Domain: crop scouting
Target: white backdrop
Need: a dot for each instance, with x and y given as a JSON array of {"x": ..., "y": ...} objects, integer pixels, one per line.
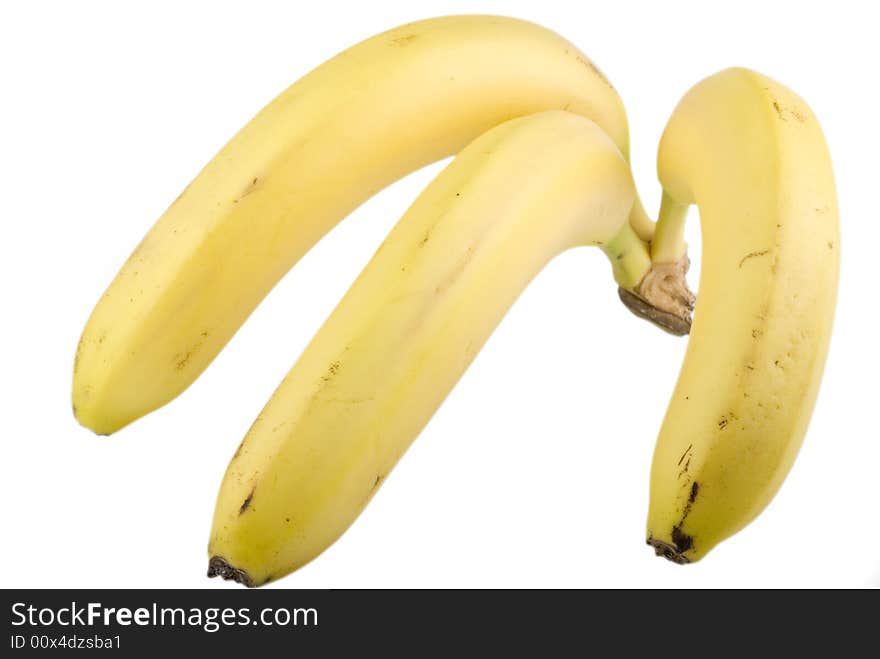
[{"x": 535, "y": 470}]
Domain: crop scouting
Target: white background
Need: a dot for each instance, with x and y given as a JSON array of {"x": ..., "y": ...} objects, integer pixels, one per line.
[{"x": 535, "y": 470}]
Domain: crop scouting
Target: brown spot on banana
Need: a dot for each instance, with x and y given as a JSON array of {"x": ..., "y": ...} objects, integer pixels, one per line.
[
  {"x": 247, "y": 502},
  {"x": 332, "y": 370},
  {"x": 752, "y": 255},
  {"x": 784, "y": 111},
  {"x": 248, "y": 189}
]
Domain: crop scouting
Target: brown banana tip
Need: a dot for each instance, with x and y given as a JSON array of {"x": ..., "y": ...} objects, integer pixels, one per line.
[
  {"x": 665, "y": 320},
  {"x": 220, "y": 567},
  {"x": 667, "y": 551}
]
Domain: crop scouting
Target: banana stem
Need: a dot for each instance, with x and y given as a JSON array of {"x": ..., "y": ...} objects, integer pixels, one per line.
[
  {"x": 652, "y": 275},
  {"x": 629, "y": 255},
  {"x": 668, "y": 245}
]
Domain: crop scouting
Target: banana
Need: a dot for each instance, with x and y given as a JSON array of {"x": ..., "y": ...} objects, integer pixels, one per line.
[
  {"x": 409, "y": 327},
  {"x": 365, "y": 118},
  {"x": 751, "y": 155}
]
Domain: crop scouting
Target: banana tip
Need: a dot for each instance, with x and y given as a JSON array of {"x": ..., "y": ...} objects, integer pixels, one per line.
[
  {"x": 220, "y": 567},
  {"x": 669, "y": 552}
]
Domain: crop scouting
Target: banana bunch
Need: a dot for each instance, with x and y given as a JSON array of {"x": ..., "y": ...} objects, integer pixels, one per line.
[{"x": 542, "y": 145}]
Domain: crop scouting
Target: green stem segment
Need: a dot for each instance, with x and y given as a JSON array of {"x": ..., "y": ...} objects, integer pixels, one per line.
[
  {"x": 668, "y": 245},
  {"x": 629, "y": 255}
]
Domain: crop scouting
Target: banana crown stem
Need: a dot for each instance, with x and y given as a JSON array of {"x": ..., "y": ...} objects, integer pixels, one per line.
[
  {"x": 663, "y": 297},
  {"x": 657, "y": 290}
]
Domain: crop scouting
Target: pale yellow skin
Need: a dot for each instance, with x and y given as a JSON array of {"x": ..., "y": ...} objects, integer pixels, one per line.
[
  {"x": 409, "y": 327},
  {"x": 367, "y": 117},
  {"x": 751, "y": 155}
]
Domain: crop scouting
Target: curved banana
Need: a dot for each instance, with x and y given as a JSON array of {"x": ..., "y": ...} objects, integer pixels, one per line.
[
  {"x": 409, "y": 327},
  {"x": 370, "y": 115},
  {"x": 751, "y": 155}
]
